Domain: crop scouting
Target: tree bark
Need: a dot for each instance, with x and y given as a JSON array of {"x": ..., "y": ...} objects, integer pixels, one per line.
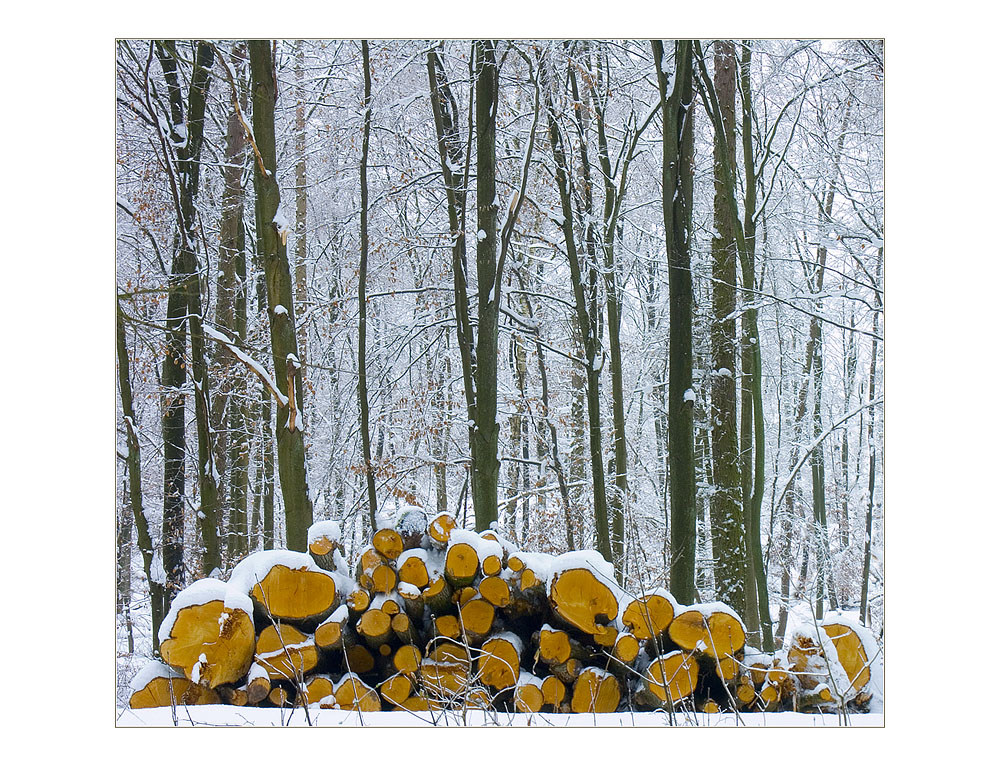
[
  {"x": 869, "y": 514},
  {"x": 366, "y": 445},
  {"x": 232, "y": 445},
  {"x": 677, "y": 184},
  {"x": 134, "y": 467},
  {"x": 588, "y": 333},
  {"x": 271, "y": 243},
  {"x": 728, "y": 528},
  {"x": 486, "y": 433}
]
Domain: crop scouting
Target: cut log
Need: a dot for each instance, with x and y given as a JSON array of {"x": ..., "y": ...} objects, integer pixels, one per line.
[
  {"x": 626, "y": 648},
  {"x": 407, "y": 659},
  {"x": 553, "y": 691},
  {"x": 528, "y": 696},
  {"x": 607, "y": 638},
  {"x": 208, "y": 634},
  {"x": 388, "y": 542},
  {"x": 318, "y": 688},
  {"x": 557, "y": 646},
  {"x": 279, "y": 696},
  {"x": 358, "y": 659},
  {"x": 387, "y": 602},
  {"x": 568, "y": 671},
  {"x": 287, "y": 654},
  {"x": 447, "y": 625},
  {"x": 444, "y": 672},
  {"x": 351, "y": 693},
  {"x": 286, "y": 586},
  {"x": 358, "y": 600},
  {"x": 491, "y": 565},
  {"x": 258, "y": 684},
  {"x": 461, "y": 565},
  {"x": 770, "y": 696},
  {"x": 413, "y": 601},
  {"x": 403, "y": 629},
  {"x": 462, "y": 596},
  {"x": 156, "y": 685},
  {"x": 583, "y": 601},
  {"x": 649, "y": 616},
  {"x": 499, "y": 664},
  {"x": 232, "y": 695},
  {"x": 713, "y": 628},
  {"x": 412, "y": 567},
  {"x": 745, "y": 691},
  {"x": 323, "y": 541},
  {"x": 595, "y": 691},
  {"x": 819, "y": 697},
  {"x": 669, "y": 679},
  {"x": 439, "y": 530},
  {"x": 476, "y": 618},
  {"x": 374, "y": 572},
  {"x": 851, "y": 652},
  {"x": 332, "y": 633},
  {"x": 437, "y": 596},
  {"x": 375, "y": 627},
  {"x": 495, "y": 590},
  {"x": 396, "y": 689}
]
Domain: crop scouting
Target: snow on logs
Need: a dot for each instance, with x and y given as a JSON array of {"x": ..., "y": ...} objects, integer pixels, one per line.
[{"x": 432, "y": 616}]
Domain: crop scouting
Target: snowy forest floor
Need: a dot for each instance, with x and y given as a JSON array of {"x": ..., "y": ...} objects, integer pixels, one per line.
[{"x": 227, "y": 715}]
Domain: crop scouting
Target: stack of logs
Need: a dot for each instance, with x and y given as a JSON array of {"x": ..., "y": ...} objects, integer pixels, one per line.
[{"x": 436, "y": 617}]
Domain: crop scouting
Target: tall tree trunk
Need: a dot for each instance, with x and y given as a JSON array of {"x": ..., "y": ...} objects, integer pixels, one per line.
[
  {"x": 746, "y": 244},
  {"x": 485, "y": 435},
  {"x": 183, "y": 310},
  {"x": 301, "y": 238},
  {"x": 822, "y": 543},
  {"x": 272, "y": 230},
  {"x": 124, "y": 568},
  {"x": 362, "y": 297},
  {"x": 869, "y": 514},
  {"x": 613, "y": 198},
  {"x": 445, "y": 110},
  {"x": 728, "y": 527},
  {"x": 678, "y": 151},
  {"x": 154, "y": 578},
  {"x": 588, "y": 333}
]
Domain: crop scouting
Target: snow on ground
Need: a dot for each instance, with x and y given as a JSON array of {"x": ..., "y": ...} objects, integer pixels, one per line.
[{"x": 227, "y": 715}]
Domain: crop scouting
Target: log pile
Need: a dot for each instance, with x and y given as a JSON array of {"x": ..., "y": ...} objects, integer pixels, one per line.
[{"x": 436, "y": 617}]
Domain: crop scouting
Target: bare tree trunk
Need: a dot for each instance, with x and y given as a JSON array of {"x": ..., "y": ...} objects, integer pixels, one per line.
[
  {"x": 869, "y": 514},
  {"x": 154, "y": 579},
  {"x": 362, "y": 298},
  {"x": 588, "y": 332},
  {"x": 301, "y": 237},
  {"x": 678, "y": 151}
]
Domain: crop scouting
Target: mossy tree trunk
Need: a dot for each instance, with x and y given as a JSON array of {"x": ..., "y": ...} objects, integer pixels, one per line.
[
  {"x": 728, "y": 529},
  {"x": 271, "y": 245}
]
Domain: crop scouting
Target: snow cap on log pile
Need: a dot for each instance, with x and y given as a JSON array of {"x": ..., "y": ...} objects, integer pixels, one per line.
[
  {"x": 254, "y": 575},
  {"x": 202, "y": 592}
]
